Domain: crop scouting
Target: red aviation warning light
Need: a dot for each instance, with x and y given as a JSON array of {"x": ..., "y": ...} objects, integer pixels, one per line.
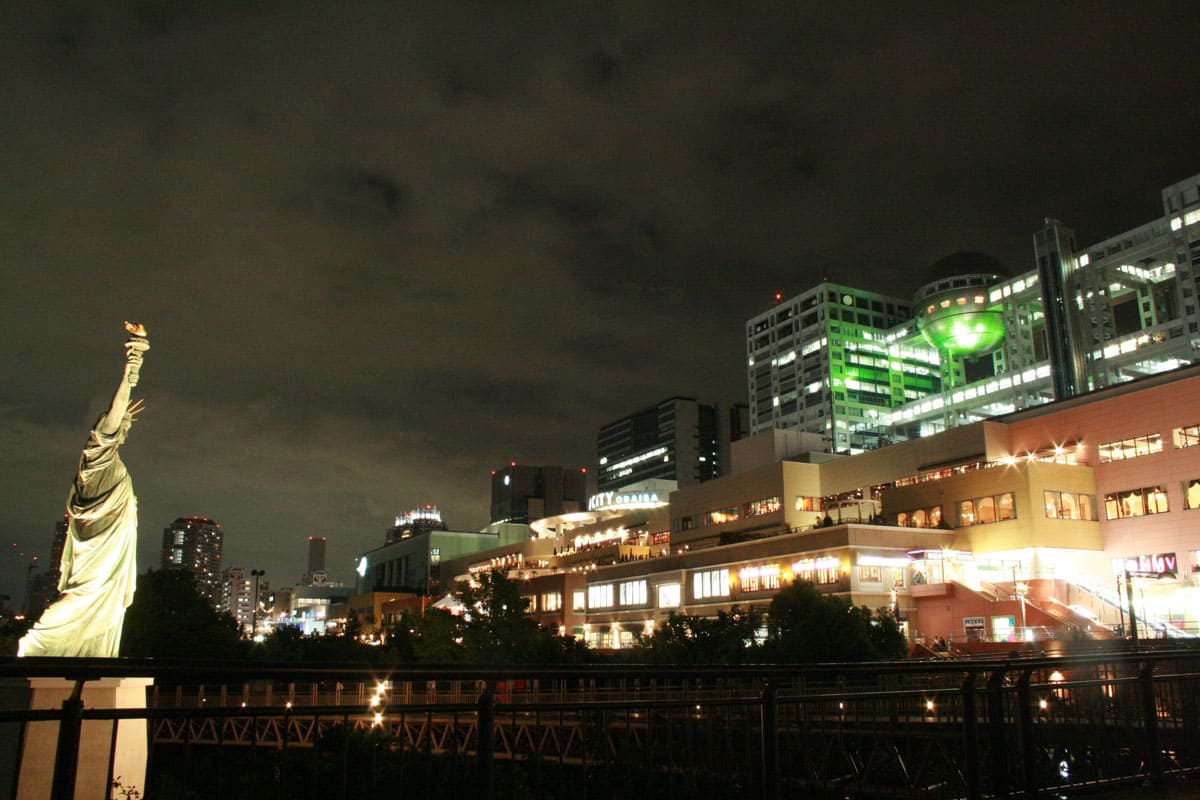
[{"x": 778, "y": 298}]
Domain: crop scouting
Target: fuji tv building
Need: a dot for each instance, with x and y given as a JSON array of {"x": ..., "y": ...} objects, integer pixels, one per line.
[
  {"x": 864, "y": 369},
  {"x": 1001, "y": 458}
]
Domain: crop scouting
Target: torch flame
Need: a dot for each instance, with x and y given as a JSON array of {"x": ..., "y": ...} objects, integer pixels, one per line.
[{"x": 136, "y": 329}]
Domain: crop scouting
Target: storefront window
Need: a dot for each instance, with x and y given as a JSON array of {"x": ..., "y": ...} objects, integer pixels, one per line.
[
  {"x": 1191, "y": 493},
  {"x": 1005, "y": 508},
  {"x": 985, "y": 510},
  {"x": 1069, "y": 505},
  {"x": 1136, "y": 502}
]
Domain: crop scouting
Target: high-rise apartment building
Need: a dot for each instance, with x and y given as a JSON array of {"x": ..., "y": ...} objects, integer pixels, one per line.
[
  {"x": 523, "y": 493},
  {"x": 863, "y": 369},
  {"x": 678, "y": 439},
  {"x": 237, "y": 596},
  {"x": 194, "y": 544}
]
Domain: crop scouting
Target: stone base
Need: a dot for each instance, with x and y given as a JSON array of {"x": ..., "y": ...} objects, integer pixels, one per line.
[{"x": 108, "y": 750}]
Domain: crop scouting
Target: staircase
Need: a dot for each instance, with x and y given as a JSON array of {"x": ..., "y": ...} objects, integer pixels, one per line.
[{"x": 1112, "y": 606}]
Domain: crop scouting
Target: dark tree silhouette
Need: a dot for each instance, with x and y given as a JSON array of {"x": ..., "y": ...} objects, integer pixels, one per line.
[
  {"x": 170, "y": 619},
  {"x": 805, "y": 626},
  {"x": 729, "y": 638}
]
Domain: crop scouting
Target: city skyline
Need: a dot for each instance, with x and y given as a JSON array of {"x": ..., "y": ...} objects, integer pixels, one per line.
[{"x": 436, "y": 241}]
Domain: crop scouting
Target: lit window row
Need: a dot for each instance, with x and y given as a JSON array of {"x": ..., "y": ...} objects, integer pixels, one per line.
[
  {"x": 1015, "y": 288},
  {"x": 1130, "y": 448},
  {"x": 808, "y": 503},
  {"x": 1069, "y": 505},
  {"x": 760, "y": 579},
  {"x": 920, "y": 518},
  {"x": 629, "y": 462},
  {"x": 713, "y": 583},
  {"x": 985, "y": 510},
  {"x": 824, "y": 570},
  {"x": 719, "y": 516},
  {"x": 1190, "y": 218},
  {"x": 634, "y": 593},
  {"x": 1135, "y": 502},
  {"x": 600, "y": 595}
]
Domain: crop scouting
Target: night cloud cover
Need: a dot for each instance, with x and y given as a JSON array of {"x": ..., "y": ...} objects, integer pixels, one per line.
[{"x": 385, "y": 248}]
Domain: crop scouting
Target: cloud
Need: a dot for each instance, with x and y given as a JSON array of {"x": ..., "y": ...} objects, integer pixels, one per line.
[{"x": 383, "y": 249}]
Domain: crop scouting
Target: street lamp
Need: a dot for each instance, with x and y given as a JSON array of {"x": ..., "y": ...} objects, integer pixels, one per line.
[{"x": 257, "y": 573}]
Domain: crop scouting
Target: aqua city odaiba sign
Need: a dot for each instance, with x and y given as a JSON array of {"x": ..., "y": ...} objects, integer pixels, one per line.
[{"x": 603, "y": 501}]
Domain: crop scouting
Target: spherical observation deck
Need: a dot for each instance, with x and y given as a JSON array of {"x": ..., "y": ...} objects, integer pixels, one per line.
[{"x": 953, "y": 312}]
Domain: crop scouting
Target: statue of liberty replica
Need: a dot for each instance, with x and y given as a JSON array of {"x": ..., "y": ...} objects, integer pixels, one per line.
[{"x": 99, "y": 565}]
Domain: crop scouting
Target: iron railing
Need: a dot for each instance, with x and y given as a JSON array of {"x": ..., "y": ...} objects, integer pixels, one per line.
[{"x": 947, "y": 728}]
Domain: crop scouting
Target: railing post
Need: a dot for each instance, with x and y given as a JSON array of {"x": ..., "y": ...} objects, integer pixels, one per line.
[
  {"x": 997, "y": 747},
  {"x": 769, "y": 710},
  {"x": 66, "y": 755},
  {"x": 485, "y": 733},
  {"x": 1150, "y": 722},
  {"x": 1028, "y": 744},
  {"x": 970, "y": 734}
]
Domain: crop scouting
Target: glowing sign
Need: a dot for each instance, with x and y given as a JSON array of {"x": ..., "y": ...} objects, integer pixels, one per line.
[
  {"x": 1157, "y": 565},
  {"x": 361, "y": 569},
  {"x": 609, "y": 500}
]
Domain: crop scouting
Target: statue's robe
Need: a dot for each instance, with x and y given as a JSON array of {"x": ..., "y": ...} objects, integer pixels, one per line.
[{"x": 99, "y": 568}]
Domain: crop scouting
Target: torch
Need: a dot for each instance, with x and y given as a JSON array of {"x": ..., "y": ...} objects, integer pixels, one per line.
[{"x": 137, "y": 343}]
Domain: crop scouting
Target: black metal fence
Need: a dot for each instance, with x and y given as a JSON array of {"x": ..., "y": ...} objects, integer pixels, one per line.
[{"x": 914, "y": 729}]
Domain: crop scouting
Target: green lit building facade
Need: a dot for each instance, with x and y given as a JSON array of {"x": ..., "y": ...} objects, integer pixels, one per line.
[{"x": 863, "y": 369}]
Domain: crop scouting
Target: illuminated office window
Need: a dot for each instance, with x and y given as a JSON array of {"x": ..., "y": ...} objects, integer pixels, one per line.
[
  {"x": 1135, "y": 502},
  {"x": 985, "y": 510},
  {"x": 1069, "y": 505},
  {"x": 633, "y": 593},
  {"x": 1191, "y": 494},
  {"x": 713, "y": 583},
  {"x": 600, "y": 595},
  {"x": 1187, "y": 437},
  {"x": 1130, "y": 448}
]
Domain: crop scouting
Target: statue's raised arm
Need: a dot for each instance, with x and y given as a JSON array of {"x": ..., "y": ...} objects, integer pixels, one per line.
[
  {"x": 99, "y": 565},
  {"x": 135, "y": 347}
]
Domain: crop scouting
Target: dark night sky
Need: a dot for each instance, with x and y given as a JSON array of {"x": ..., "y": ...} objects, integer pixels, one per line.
[{"x": 384, "y": 248}]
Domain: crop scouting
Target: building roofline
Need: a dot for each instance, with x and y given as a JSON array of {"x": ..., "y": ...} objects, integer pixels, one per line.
[{"x": 1098, "y": 395}]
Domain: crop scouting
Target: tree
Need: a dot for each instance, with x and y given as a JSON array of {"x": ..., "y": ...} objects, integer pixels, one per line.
[
  {"x": 497, "y": 629},
  {"x": 170, "y": 619},
  {"x": 284, "y": 643},
  {"x": 728, "y": 638},
  {"x": 434, "y": 637},
  {"x": 805, "y": 626}
]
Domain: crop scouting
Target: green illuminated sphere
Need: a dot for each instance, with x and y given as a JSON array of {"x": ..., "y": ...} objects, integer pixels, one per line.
[
  {"x": 953, "y": 311},
  {"x": 962, "y": 330}
]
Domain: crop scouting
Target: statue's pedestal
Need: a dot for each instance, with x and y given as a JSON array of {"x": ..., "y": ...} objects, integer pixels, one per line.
[{"x": 108, "y": 749}]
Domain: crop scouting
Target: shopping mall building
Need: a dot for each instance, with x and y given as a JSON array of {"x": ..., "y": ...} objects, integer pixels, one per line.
[
  {"x": 1000, "y": 457},
  {"x": 1021, "y": 527}
]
